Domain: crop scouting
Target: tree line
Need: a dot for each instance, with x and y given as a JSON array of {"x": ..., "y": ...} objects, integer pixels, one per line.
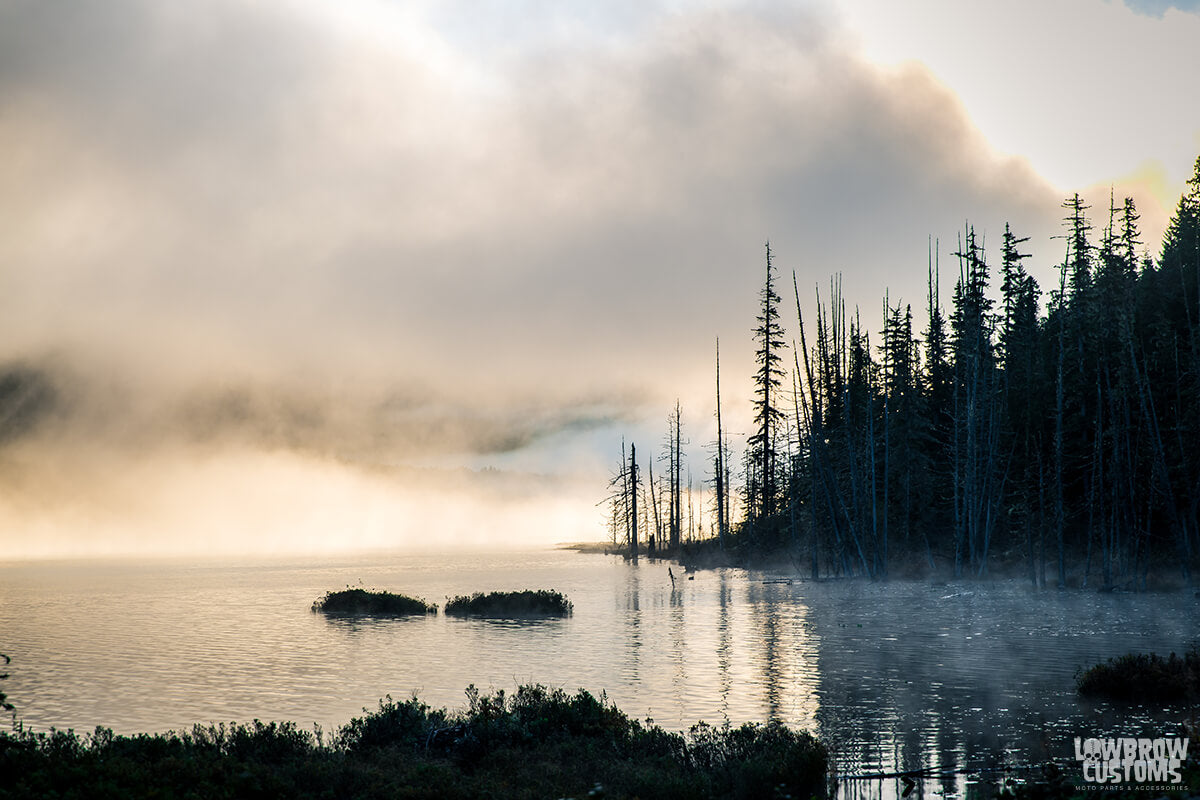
[{"x": 1053, "y": 430}]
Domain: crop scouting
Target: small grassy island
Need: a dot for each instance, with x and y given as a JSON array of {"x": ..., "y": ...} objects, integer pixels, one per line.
[
  {"x": 535, "y": 743},
  {"x": 542, "y": 603},
  {"x": 1141, "y": 677},
  {"x": 371, "y": 603}
]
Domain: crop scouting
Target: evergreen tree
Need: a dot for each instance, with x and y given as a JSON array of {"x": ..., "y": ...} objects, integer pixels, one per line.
[
  {"x": 1172, "y": 369},
  {"x": 902, "y": 420},
  {"x": 936, "y": 408},
  {"x": 762, "y": 455},
  {"x": 1079, "y": 280},
  {"x": 1181, "y": 241},
  {"x": 1023, "y": 400},
  {"x": 978, "y": 468}
]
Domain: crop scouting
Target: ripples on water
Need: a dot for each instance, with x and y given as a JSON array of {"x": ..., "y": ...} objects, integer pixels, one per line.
[{"x": 894, "y": 676}]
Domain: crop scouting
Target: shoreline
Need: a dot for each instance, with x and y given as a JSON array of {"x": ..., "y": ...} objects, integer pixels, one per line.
[{"x": 706, "y": 554}]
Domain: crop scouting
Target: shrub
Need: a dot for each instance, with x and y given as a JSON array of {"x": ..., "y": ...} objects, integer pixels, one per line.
[
  {"x": 542, "y": 603},
  {"x": 408, "y": 724},
  {"x": 371, "y": 603},
  {"x": 1140, "y": 677},
  {"x": 534, "y": 743}
]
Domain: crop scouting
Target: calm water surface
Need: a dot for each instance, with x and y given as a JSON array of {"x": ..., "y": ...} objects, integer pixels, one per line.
[{"x": 893, "y": 676}]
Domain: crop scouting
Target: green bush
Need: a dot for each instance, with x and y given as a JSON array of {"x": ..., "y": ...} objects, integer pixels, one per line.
[
  {"x": 409, "y": 724},
  {"x": 534, "y": 743},
  {"x": 1140, "y": 677},
  {"x": 371, "y": 603},
  {"x": 542, "y": 603}
]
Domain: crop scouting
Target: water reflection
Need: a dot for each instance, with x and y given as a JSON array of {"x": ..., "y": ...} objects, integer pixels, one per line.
[
  {"x": 766, "y": 616},
  {"x": 357, "y": 625},
  {"x": 972, "y": 684},
  {"x": 632, "y": 608},
  {"x": 724, "y": 642},
  {"x": 787, "y": 651},
  {"x": 894, "y": 677},
  {"x": 676, "y": 618}
]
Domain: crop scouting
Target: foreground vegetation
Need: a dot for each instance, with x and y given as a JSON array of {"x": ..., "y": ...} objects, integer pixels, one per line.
[
  {"x": 536, "y": 743},
  {"x": 375, "y": 603},
  {"x": 542, "y": 603},
  {"x": 1140, "y": 677}
]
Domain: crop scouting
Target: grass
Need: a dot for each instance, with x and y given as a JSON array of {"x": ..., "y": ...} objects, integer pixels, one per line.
[
  {"x": 542, "y": 603},
  {"x": 373, "y": 603},
  {"x": 535, "y": 743},
  {"x": 1139, "y": 677}
]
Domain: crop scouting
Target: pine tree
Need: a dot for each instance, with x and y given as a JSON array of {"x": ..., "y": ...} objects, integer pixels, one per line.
[
  {"x": 978, "y": 468},
  {"x": 762, "y": 455},
  {"x": 1171, "y": 339},
  {"x": 937, "y": 399},
  {"x": 902, "y": 419},
  {"x": 1079, "y": 280},
  {"x": 1023, "y": 400}
]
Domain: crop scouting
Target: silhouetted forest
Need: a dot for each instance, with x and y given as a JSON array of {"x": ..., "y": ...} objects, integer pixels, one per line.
[{"x": 1053, "y": 430}]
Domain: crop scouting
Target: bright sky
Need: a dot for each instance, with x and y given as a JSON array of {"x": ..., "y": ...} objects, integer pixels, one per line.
[
  {"x": 1090, "y": 91},
  {"x": 377, "y": 234}
]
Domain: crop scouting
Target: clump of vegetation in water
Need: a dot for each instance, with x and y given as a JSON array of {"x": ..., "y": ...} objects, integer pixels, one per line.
[
  {"x": 536, "y": 743},
  {"x": 372, "y": 603},
  {"x": 1144, "y": 677},
  {"x": 541, "y": 603},
  {"x": 4, "y": 704}
]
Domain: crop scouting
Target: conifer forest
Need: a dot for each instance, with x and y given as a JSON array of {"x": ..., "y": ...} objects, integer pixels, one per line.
[{"x": 1008, "y": 427}]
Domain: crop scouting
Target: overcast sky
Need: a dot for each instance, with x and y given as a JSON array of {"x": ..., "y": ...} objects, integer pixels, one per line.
[{"x": 354, "y": 237}]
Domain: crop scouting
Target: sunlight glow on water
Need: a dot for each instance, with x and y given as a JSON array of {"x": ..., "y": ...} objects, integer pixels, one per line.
[{"x": 893, "y": 676}]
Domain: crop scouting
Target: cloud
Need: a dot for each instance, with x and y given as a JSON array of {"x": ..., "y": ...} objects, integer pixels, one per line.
[
  {"x": 1071, "y": 85},
  {"x": 332, "y": 232}
]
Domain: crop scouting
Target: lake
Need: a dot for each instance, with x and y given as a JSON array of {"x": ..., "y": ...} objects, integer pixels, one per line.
[{"x": 893, "y": 676}]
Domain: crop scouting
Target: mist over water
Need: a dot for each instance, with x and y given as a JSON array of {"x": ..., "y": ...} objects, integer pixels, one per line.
[
  {"x": 91, "y": 466},
  {"x": 893, "y": 676},
  {"x": 250, "y": 502}
]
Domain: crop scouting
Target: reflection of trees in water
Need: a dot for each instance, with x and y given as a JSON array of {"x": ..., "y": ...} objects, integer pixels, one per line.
[
  {"x": 783, "y": 652},
  {"x": 724, "y": 641},
  {"x": 915, "y": 677},
  {"x": 766, "y": 617},
  {"x": 895, "y": 677},
  {"x": 679, "y": 644},
  {"x": 633, "y": 622},
  {"x": 911, "y": 691}
]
